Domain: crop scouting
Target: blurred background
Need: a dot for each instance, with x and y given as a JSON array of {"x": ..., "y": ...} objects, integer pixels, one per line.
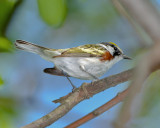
[{"x": 26, "y": 93}]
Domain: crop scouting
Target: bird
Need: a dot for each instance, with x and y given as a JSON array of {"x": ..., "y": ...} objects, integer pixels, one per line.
[{"x": 86, "y": 62}]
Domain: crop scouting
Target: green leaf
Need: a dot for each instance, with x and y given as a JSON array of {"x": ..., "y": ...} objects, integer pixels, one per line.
[
  {"x": 8, "y": 112},
  {"x": 151, "y": 95},
  {"x": 53, "y": 12},
  {"x": 147, "y": 113},
  {"x": 1, "y": 81},
  {"x": 5, "y": 45},
  {"x": 6, "y": 7}
]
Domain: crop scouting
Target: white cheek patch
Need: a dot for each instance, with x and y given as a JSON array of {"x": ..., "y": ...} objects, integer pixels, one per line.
[{"x": 109, "y": 48}]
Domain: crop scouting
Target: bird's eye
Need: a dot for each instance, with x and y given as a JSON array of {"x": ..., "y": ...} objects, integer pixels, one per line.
[{"x": 115, "y": 48}]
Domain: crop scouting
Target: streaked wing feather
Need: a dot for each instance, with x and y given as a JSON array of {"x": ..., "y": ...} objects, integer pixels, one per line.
[{"x": 90, "y": 50}]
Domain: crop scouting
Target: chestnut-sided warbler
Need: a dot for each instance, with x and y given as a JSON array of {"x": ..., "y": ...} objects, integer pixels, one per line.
[{"x": 86, "y": 62}]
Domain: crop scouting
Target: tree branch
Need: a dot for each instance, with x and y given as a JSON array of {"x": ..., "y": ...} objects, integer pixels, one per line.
[
  {"x": 117, "y": 99},
  {"x": 144, "y": 69},
  {"x": 139, "y": 32},
  {"x": 80, "y": 94},
  {"x": 145, "y": 14}
]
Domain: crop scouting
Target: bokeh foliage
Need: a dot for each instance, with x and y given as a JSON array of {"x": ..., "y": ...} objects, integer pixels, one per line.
[
  {"x": 7, "y": 104},
  {"x": 151, "y": 95},
  {"x": 5, "y": 45},
  {"x": 147, "y": 114},
  {"x": 7, "y": 7},
  {"x": 1, "y": 81},
  {"x": 53, "y": 12},
  {"x": 7, "y": 112}
]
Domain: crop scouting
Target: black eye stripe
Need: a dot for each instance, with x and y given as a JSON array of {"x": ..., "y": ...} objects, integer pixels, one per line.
[{"x": 117, "y": 52}]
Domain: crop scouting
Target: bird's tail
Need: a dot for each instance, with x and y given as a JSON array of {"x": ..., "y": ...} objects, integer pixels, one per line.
[
  {"x": 45, "y": 53},
  {"x": 24, "y": 45}
]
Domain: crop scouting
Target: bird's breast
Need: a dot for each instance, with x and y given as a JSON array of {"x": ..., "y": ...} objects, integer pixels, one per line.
[{"x": 71, "y": 65}]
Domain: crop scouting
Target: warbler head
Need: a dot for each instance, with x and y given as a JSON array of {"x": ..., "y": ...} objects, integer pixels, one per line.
[{"x": 114, "y": 50}]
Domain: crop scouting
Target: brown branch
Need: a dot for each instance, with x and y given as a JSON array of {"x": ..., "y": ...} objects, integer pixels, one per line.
[
  {"x": 139, "y": 32},
  {"x": 117, "y": 99},
  {"x": 80, "y": 94},
  {"x": 145, "y": 14},
  {"x": 149, "y": 64}
]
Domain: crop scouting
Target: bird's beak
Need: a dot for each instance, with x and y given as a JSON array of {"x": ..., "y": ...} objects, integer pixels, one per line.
[{"x": 126, "y": 57}]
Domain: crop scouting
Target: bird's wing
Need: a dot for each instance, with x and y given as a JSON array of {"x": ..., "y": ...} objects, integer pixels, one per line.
[{"x": 89, "y": 50}]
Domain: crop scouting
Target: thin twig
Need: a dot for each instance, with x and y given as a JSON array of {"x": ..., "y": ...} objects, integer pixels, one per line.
[{"x": 117, "y": 99}]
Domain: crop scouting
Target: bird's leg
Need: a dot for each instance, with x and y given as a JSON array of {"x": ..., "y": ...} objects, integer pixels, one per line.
[
  {"x": 73, "y": 86},
  {"x": 91, "y": 75}
]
